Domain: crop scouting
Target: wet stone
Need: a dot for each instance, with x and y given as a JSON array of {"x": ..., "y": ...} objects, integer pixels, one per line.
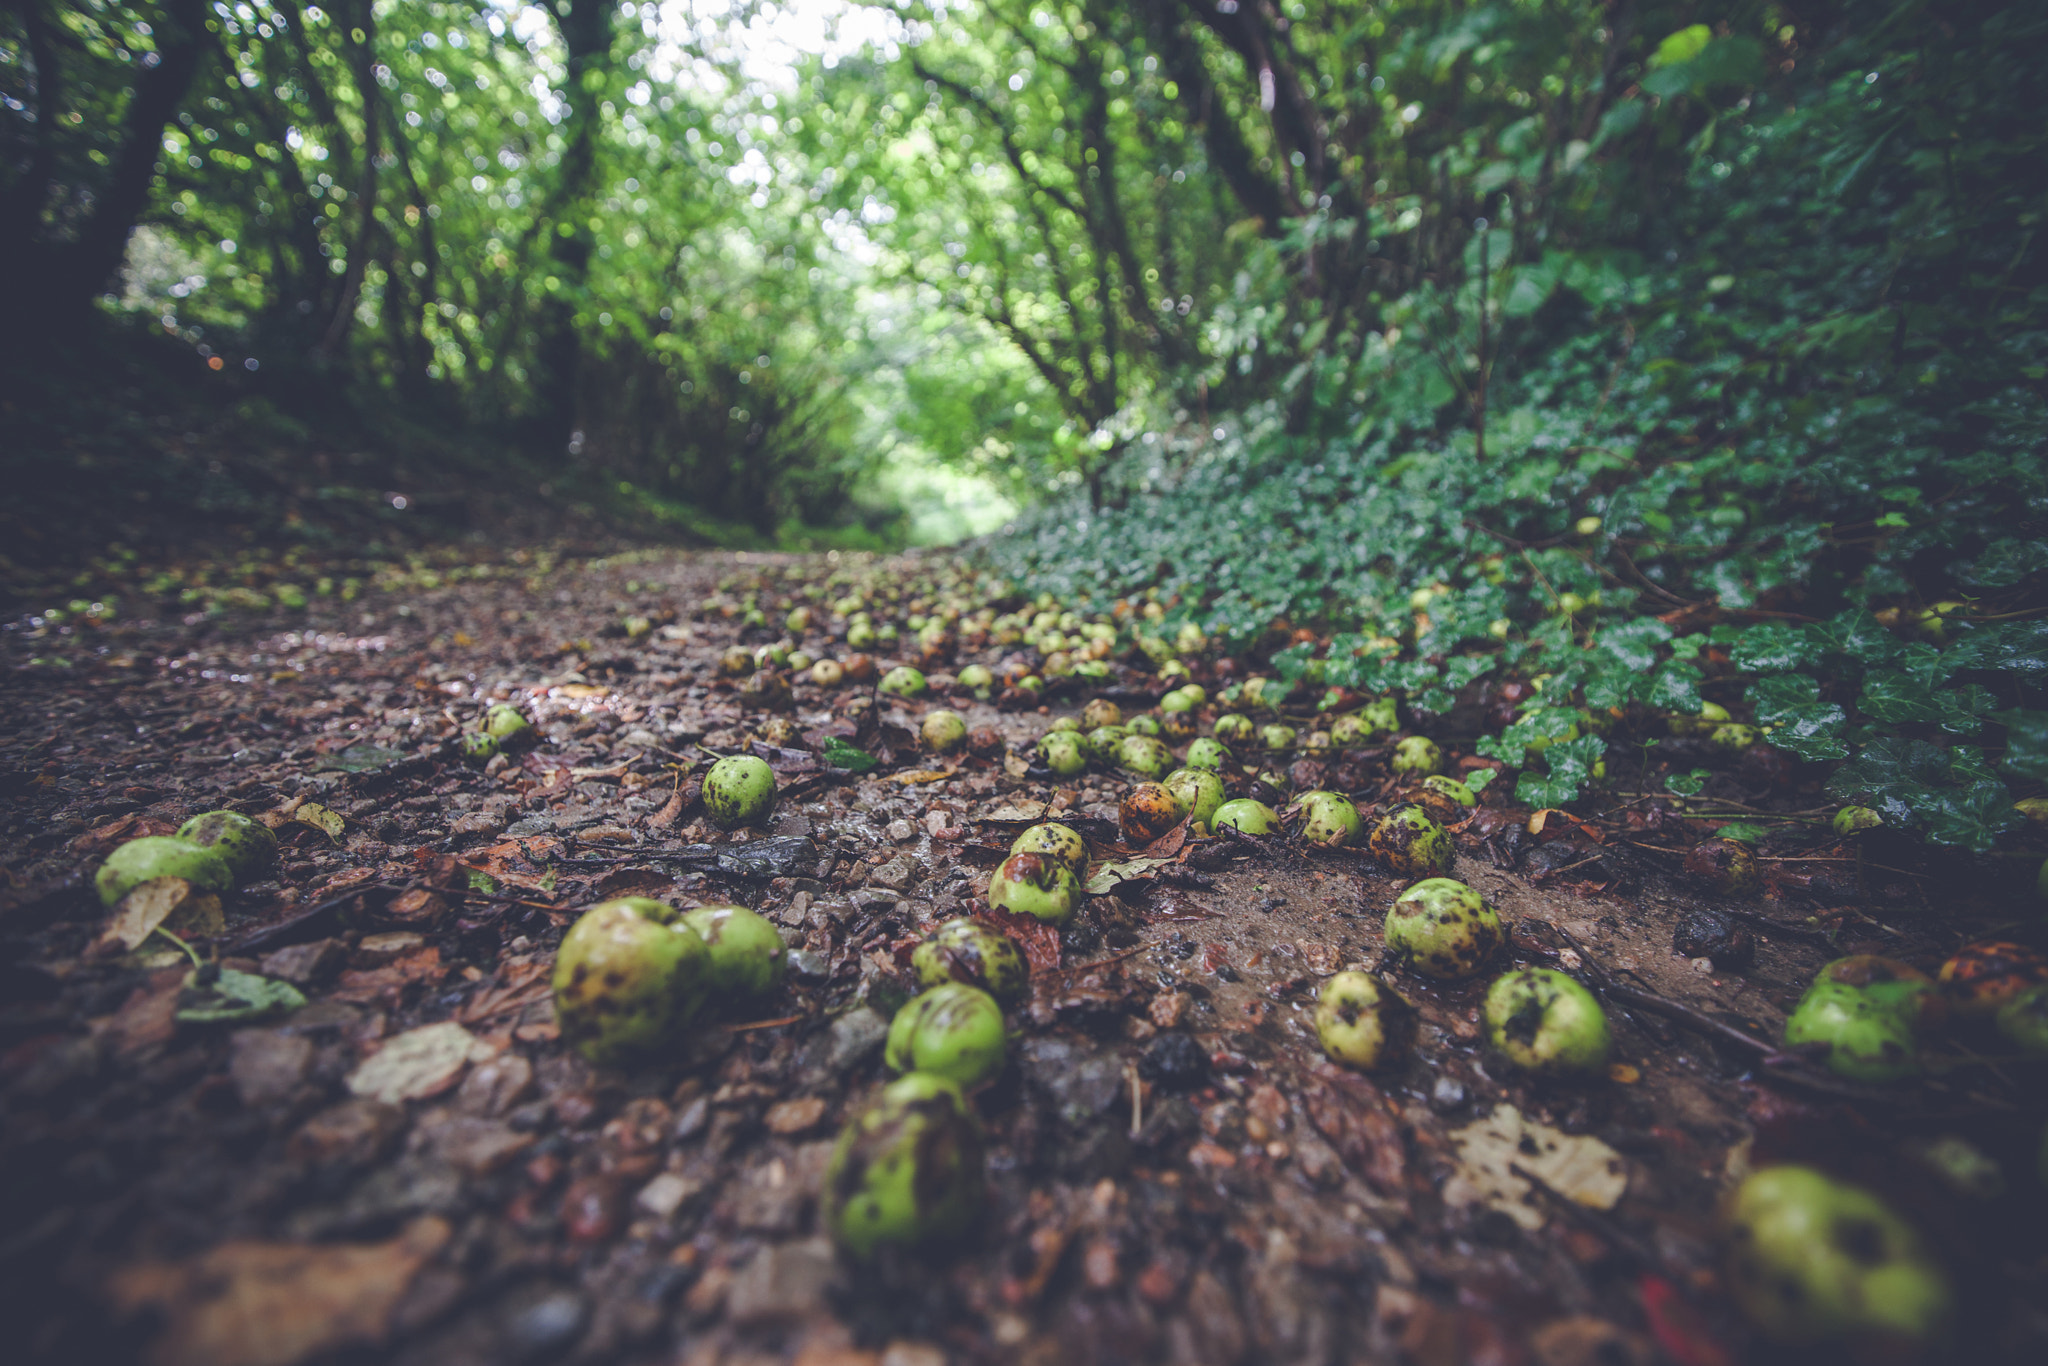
[
  {"x": 545, "y": 1327},
  {"x": 354, "y": 1133},
  {"x": 1706, "y": 933},
  {"x": 1175, "y": 1061},
  {"x": 306, "y": 964},
  {"x": 267, "y": 1066},
  {"x": 856, "y": 1036},
  {"x": 809, "y": 965},
  {"x": 532, "y": 825},
  {"x": 783, "y": 1283},
  {"x": 778, "y": 856},
  {"x": 1081, "y": 1087},
  {"x": 495, "y": 1087},
  {"x": 896, "y": 875}
]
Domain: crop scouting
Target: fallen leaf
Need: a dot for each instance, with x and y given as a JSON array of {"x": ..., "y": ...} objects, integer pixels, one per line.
[
  {"x": 235, "y": 996},
  {"x": 321, "y": 819},
  {"x": 1580, "y": 1168},
  {"x": 839, "y": 754},
  {"x": 167, "y": 902},
  {"x": 1104, "y": 877},
  {"x": 1013, "y": 813},
  {"x": 923, "y": 775},
  {"x": 249, "y": 1303},
  {"x": 1039, "y": 941},
  {"x": 418, "y": 1063},
  {"x": 617, "y": 770},
  {"x": 519, "y": 985},
  {"x": 580, "y": 690},
  {"x": 358, "y": 758}
]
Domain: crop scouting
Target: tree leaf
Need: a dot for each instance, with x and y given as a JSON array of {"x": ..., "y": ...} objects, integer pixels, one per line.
[{"x": 234, "y": 996}]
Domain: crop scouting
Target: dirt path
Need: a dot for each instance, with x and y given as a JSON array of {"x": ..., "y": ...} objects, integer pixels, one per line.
[{"x": 411, "y": 1167}]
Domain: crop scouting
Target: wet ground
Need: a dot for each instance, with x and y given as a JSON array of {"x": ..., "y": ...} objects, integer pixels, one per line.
[{"x": 411, "y": 1167}]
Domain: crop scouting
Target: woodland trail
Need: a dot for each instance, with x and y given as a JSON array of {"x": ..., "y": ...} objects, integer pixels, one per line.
[{"x": 412, "y": 1167}]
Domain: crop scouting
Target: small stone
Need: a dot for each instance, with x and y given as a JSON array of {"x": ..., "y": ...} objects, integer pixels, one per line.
[
  {"x": 896, "y": 875},
  {"x": 545, "y": 1327},
  {"x": 1175, "y": 1061},
  {"x": 795, "y": 1116},
  {"x": 378, "y": 949},
  {"x": 901, "y": 831},
  {"x": 306, "y": 964},
  {"x": 495, "y": 1087},
  {"x": 476, "y": 823},
  {"x": 477, "y": 1147},
  {"x": 532, "y": 825},
  {"x": 1703, "y": 966},
  {"x": 1707, "y": 933},
  {"x": 665, "y": 1194},
  {"x": 811, "y": 966},
  {"x": 1446, "y": 1095},
  {"x": 268, "y": 1066},
  {"x": 1168, "y": 1009},
  {"x": 856, "y": 1036},
  {"x": 782, "y": 1284},
  {"x": 592, "y": 1209},
  {"x": 770, "y": 1199},
  {"x": 354, "y": 1133}
]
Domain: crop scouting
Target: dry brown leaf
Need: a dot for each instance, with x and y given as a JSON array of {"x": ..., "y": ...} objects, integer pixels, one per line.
[
  {"x": 1580, "y": 1167},
  {"x": 250, "y": 1303},
  {"x": 167, "y": 902},
  {"x": 924, "y": 775},
  {"x": 418, "y": 1063}
]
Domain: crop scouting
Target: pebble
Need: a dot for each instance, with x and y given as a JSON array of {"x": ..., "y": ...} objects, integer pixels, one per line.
[
  {"x": 783, "y": 1283},
  {"x": 305, "y": 964},
  {"x": 901, "y": 831},
  {"x": 809, "y": 964},
  {"x": 354, "y": 1133},
  {"x": 856, "y": 1036},
  {"x": 545, "y": 1327},
  {"x": 1446, "y": 1095},
  {"x": 665, "y": 1194},
  {"x": 495, "y": 1087},
  {"x": 1174, "y": 1060},
  {"x": 267, "y": 1065}
]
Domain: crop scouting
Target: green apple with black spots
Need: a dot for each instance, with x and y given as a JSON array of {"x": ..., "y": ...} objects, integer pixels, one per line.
[
  {"x": 1144, "y": 757},
  {"x": 1036, "y": 885},
  {"x": 1208, "y": 755},
  {"x": 1060, "y": 751},
  {"x": 748, "y": 956},
  {"x": 1444, "y": 929},
  {"x": 507, "y": 724},
  {"x": 1062, "y": 843},
  {"x": 1866, "y": 1010},
  {"x": 1544, "y": 1021},
  {"x": 1233, "y": 728},
  {"x": 739, "y": 790},
  {"x": 1149, "y": 812},
  {"x": 902, "y": 681},
  {"x": 1409, "y": 844},
  {"x": 907, "y": 1171},
  {"x": 1813, "y": 1259},
  {"x": 963, "y": 950},
  {"x": 1417, "y": 756},
  {"x": 629, "y": 977},
  {"x": 944, "y": 731},
  {"x": 1248, "y": 814},
  {"x": 1328, "y": 819},
  {"x": 1360, "y": 1021},
  {"x": 1200, "y": 791},
  {"x": 953, "y": 1031},
  {"x": 244, "y": 843},
  {"x": 154, "y": 856}
]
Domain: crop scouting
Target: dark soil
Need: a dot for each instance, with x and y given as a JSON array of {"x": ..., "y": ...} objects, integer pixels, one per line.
[{"x": 1174, "y": 1174}]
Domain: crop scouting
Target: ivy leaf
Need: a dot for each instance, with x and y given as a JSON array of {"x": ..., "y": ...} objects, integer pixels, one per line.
[
  {"x": 1893, "y": 774},
  {"x": 1973, "y": 817},
  {"x": 1571, "y": 768},
  {"x": 2019, "y": 648},
  {"x": 1744, "y": 832},
  {"x": 1773, "y": 647},
  {"x": 1292, "y": 662},
  {"x": 1634, "y": 644},
  {"x": 1898, "y": 698},
  {"x": 1675, "y": 687},
  {"x": 839, "y": 754},
  {"x": 1541, "y": 792},
  {"x": 1777, "y": 695},
  {"x": 1858, "y": 635},
  {"x": 231, "y": 996},
  {"x": 1688, "y": 784},
  {"x": 2026, "y": 744},
  {"x": 1812, "y": 731}
]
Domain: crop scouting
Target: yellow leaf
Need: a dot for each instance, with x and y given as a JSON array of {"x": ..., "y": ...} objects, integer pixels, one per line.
[{"x": 321, "y": 819}]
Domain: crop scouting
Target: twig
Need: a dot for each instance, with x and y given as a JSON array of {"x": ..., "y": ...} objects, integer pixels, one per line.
[{"x": 762, "y": 1024}]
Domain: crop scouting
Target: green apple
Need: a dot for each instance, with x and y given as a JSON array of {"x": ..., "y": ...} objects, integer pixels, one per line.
[
  {"x": 906, "y": 1171},
  {"x": 1543, "y": 1021},
  {"x": 953, "y": 1031},
  {"x": 1444, "y": 929},
  {"x": 1360, "y": 1020}
]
